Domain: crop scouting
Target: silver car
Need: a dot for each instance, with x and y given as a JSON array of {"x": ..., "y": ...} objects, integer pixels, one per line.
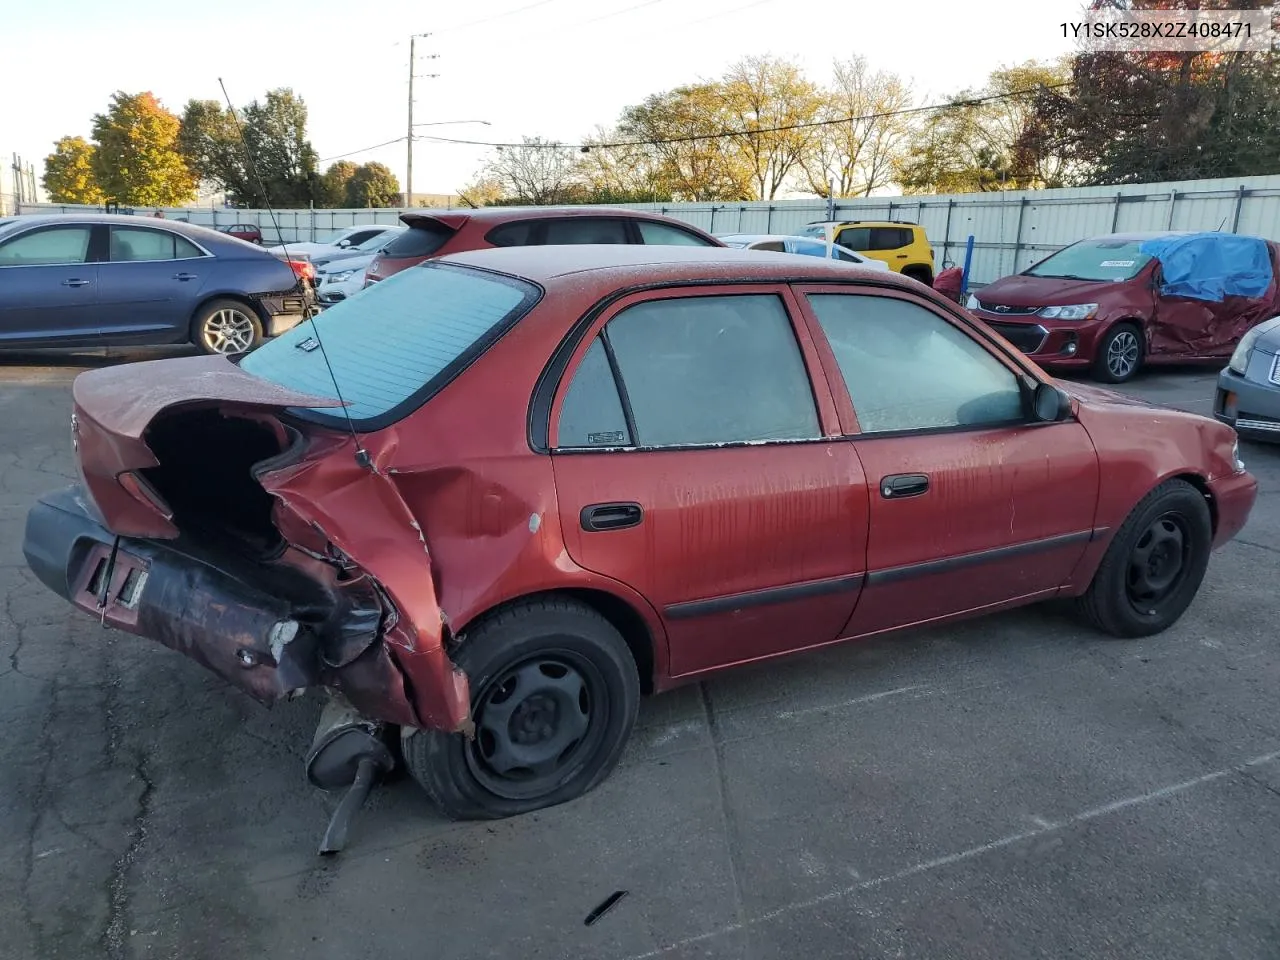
[{"x": 1249, "y": 388}]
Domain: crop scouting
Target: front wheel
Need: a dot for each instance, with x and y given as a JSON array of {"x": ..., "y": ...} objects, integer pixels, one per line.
[
  {"x": 1154, "y": 566},
  {"x": 1119, "y": 354},
  {"x": 228, "y": 327},
  {"x": 554, "y": 694}
]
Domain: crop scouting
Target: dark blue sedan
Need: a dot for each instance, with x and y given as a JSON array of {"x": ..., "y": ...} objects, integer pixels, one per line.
[{"x": 102, "y": 280}]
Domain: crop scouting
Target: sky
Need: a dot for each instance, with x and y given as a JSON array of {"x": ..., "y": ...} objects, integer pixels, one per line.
[{"x": 550, "y": 68}]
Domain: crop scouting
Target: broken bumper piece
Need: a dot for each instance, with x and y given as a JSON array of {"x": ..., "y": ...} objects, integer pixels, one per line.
[{"x": 256, "y": 627}]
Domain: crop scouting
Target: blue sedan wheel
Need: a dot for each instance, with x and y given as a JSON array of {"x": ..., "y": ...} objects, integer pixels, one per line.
[{"x": 227, "y": 327}]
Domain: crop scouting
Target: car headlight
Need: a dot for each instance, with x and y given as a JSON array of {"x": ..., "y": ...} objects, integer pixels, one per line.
[
  {"x": 341, "y": 277},
  {"x": 1239, "y": 361},
  {"x": 972, "y": 303},
  {"x": 1075, "y": 311}
]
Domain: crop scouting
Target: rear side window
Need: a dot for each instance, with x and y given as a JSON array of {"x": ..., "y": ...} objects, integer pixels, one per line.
[
  {"x": 704, "y": 370},
  {"x": 397, "y": 343},
  {"x": 518, "y": 234},
  {"x": 130, "y": 244},
  {"x": 420, "y": 240},
  {"x": 592, "y": 414},
  {"x": 664, "y": 234},
  {"x": 586, "y": 230},
  {"x": 44, "y": 247}
]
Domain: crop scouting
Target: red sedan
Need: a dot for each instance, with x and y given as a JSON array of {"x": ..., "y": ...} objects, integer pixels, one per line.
[{"x": 566, "y": 477}]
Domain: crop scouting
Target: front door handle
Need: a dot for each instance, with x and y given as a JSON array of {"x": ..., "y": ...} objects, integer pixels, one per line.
[
  {"x": 599, "y": 517},
  {"x": 75, "y": 282},
  {"x": 185, "y": 276},
  {"x": 902, "y": 485}
]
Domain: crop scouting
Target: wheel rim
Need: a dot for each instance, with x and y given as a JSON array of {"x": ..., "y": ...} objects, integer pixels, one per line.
[
  {"x": 1122, "y": 353},
  {"x": 535, "y": 722},
  {"x": 1159, "y": 563},
  {"x": 228, "y": 331}
]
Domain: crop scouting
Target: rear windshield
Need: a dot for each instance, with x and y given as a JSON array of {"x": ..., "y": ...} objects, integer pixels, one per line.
[
  {"x": 420, "y": 240},
  {"x": 396, "y": 343},
  {"x": 1094, "y": 260}
]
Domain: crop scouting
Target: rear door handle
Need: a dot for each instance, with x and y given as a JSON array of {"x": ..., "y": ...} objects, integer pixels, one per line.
[
  {"x": 185, "y": 276},
  {"x": 903, "y": 256},
  {"x": 75, "y": 282},
  {"x": 599, "y": 517},
  {"x": 901, "y": 485}
]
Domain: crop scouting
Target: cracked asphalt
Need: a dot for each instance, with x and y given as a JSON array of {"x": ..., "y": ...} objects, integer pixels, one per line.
[{"x": 1015, "y": 787}]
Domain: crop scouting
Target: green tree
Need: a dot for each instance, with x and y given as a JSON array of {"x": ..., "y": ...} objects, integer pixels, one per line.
[
  {"x": 275, "y": 132},
  {"x": 136, "y": 160},
  {"x": 372, "y": 185},
  {"x": 334, "y": 182},
  {"x": 68, "y": 172},
  {"x": 210, "y": 143}
]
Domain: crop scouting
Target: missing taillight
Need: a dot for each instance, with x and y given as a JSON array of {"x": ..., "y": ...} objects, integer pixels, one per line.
[{"x": 146, "y": 494}]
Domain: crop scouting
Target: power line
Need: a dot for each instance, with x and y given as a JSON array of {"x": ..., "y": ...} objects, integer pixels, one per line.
[
  {"x": 618, "y": 13},
  {"x": 352, "y": 153},
  {"x": 722, "y": 13},
  {"x": 725, "y": 134},
  {"x": 496, "y": 16}
]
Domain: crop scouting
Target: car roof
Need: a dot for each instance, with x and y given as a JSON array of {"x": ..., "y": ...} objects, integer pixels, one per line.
[
  {"x": 757, "y": 237},
  {"x": 618, "y": 265},
  {"x": 196, "y": 231}
]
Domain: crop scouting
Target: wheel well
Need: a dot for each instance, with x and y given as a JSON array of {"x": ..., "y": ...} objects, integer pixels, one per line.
[
  {"x": 624, "y": 618},
  {"x": 918, "y": 271},
  {"x": 1202, "y": 485}
]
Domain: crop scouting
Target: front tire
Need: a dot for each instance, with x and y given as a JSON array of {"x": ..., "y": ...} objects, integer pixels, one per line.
[
  {"x": 1154, "y": 566},
  {"x": 1120, "y": 354},
  {"x": 226, "y": 327},
  {"x": 554, "y": 695}
]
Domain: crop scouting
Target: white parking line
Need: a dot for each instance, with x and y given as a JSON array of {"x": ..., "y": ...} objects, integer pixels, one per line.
[{"x": 945, "y": 861}]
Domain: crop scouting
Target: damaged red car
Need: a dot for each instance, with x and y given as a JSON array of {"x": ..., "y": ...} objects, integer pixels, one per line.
[
  {"x": 1110, "y": 305},
  {"x": 496, "y": 498}
]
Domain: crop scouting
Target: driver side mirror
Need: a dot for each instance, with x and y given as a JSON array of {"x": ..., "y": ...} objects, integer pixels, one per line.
[
  {"x": 343, "y": 244},
  {"x": 1050, "y": 404}
]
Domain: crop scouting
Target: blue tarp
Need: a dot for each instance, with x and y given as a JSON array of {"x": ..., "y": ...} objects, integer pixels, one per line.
[{"x": 1211, "y": 266}]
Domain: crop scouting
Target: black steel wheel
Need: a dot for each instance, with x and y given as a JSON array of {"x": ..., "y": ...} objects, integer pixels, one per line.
[
  {"x": 554, "y": 694},
  {"x": 1120, "y": 354},
  {"x": 1153, "y": 568}
]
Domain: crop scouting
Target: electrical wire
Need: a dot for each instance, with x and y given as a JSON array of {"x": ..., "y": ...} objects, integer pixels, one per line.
[
  {"x": 618, "y": 13},
  {"x": 727, "y": 134},
  {"x": 352, "y": 153},
  {"x": 722, "y": 13},
  {"x": 496, "y": 16}
]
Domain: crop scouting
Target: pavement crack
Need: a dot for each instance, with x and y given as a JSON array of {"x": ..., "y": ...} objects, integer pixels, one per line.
[
  {"x": 39, "y": 804},
  {"x": 1259, "y": 546},
  {"x": 736, "y": 867},
  {"x": 117, "y": 927}
]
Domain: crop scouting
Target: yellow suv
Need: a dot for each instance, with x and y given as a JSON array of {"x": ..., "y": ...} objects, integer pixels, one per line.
[{"x": 900, "y": 244}]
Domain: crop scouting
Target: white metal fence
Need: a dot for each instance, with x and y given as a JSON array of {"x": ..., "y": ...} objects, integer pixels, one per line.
[{"x": 1011, "y": 230}]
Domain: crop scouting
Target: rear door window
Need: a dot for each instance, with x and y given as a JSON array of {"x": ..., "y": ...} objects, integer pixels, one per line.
[
  {"x": 397, "y": 343},
  {"x": 694, "y": 371},
  {"x": 420, "y": 240},
  {"x": 130, "y": 244},
  {"x": 585, "y": 230},
  {"x": 52, "y": 245}
]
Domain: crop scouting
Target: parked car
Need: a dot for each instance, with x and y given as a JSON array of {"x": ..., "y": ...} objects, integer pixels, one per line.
[
  {"x": 900, "y": 244},
  {"x": 804, "y": 246},
  {"x": 566, "y": 477},
  {"x": 340, "y": 279},
  {"x": 334, "y": 242},
  {"x": 439, "y": 234},
  {"x": 1248, "y": 396},
  {"x": 90, "y": 280},
  {"x": 250, "y": 232},
  {"x": 1110, "y": 305},
  {"x": 364, "y": 251}
]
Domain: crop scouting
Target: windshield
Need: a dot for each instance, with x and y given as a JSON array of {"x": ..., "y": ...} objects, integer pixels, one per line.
[
  {"x": 397, "y": 343},
  {"x": 1106, "y": 259},
  {"x": 375, "y": 243}
]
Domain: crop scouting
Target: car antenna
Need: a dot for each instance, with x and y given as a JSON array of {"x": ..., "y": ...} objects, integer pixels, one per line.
[{"x": 362, "y": 455}]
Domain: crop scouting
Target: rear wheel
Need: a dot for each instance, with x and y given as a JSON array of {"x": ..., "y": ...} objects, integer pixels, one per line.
[
  {"x": 1154, "y": 566},
  {"x": 554, "y": 694},
  {"x": 228, "y": 327},
  {"x": 1119, "y": 355}
]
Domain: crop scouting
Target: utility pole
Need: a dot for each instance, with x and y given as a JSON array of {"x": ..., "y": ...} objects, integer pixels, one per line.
[{"x": 408, "y": 167}]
